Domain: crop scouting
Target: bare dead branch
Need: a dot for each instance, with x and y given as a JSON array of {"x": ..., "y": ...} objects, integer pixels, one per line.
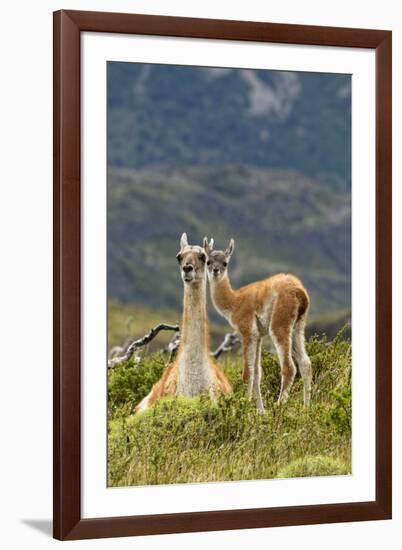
[
  {"x": 141, "y": 342},
  {"x": 119, "y": 354},
  {"x": 229, "y": 342}
]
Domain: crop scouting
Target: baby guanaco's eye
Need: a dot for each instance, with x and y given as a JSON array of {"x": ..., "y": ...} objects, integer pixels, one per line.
[
  {"x": 225, "y": 264},
  {"x": 209, "y": 262},
  {"x": 179, "y": 257}
]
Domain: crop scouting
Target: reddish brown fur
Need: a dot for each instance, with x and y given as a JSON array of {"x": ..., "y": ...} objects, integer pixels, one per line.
[
  {"x": 291, "y": 304},
  {"x": 277, "y": 306}
]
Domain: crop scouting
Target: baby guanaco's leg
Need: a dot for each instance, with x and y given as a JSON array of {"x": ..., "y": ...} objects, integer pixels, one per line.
[
  {"x": 257, "y": 378},
  {"x": 249, "y": 357},
  {"x": 303, "y": 360},
  {"x": 281, "y": 330}
]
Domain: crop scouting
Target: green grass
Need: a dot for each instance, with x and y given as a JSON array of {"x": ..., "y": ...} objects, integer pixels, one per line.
[
  {"x": 196, "y": 440},
  {"x": 314, "y": 466}
]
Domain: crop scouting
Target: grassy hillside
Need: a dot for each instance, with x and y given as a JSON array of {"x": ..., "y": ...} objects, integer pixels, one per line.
[
  {"x": 280, "y": 220},
  {"x": 181, "y": 440}
]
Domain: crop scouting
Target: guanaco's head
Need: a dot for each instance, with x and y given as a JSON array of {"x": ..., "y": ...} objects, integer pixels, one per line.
[
  {"x": 217, "y": 260},
  {"x": 192, "y": 260}
]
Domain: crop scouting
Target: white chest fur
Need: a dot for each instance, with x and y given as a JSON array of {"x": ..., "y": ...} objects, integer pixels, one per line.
[
  {"x": 194, "y": 373},
  {"x": 227, "y": 314},
  {"x": 194, "y": 376}
]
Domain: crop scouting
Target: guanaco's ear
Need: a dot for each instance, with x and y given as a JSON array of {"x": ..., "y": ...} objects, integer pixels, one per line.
[
  {"x": 208, "y": 247},
  {"x": 183, "y": 241},
  {"x": 230, "y": 248}
]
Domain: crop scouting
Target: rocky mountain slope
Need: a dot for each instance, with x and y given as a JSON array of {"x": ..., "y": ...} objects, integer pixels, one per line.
[{"x": 166, "y": 115}]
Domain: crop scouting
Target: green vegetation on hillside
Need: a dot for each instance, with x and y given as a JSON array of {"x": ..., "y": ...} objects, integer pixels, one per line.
[
  {"x": 195, "y": 440},
  {"x": 280, "y": 220}
]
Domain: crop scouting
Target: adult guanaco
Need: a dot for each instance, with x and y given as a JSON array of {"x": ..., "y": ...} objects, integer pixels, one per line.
[
  {"x": 277, "y": 306},
  {"x": 193, "y": 372}
]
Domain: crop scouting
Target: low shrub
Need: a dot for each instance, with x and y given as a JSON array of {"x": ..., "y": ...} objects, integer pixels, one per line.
[
  {"x": 313, "y": 466},
  {"x": 182, "y": 440},
  {"x": 129, "y": 382}
]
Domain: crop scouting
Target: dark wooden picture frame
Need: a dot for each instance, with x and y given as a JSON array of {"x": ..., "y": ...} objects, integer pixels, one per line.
[{"x": 68, "y": 26}]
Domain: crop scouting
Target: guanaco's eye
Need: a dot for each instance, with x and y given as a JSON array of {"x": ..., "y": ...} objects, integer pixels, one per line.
[
  {"x": 209, "y": 262},
  {"x": 179, "y": 257},
  {"x": 202, "y": 257},
  {"x": 225, "y": 264}
]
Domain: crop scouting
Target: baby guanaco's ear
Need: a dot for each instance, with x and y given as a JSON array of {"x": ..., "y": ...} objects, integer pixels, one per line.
[
  {"x": 183, "y": 241},
  {"x": 230, "y": 248},
  {"x": 208, "y": 247}
]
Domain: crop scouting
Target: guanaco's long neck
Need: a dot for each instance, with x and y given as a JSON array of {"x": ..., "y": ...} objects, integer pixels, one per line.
[
  {"x": 223, "y": 295},
  {"x": 194, "y": 376},
  {"x": 194, "y": 320}
]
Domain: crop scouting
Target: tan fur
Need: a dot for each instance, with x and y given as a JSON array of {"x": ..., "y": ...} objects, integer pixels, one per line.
[
  {"x": 277, "y": 306},
  {"x": 193, "y": 372}
]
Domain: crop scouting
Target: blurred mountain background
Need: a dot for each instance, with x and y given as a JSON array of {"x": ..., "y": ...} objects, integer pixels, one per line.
[{"x": 260, "y": 156}]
